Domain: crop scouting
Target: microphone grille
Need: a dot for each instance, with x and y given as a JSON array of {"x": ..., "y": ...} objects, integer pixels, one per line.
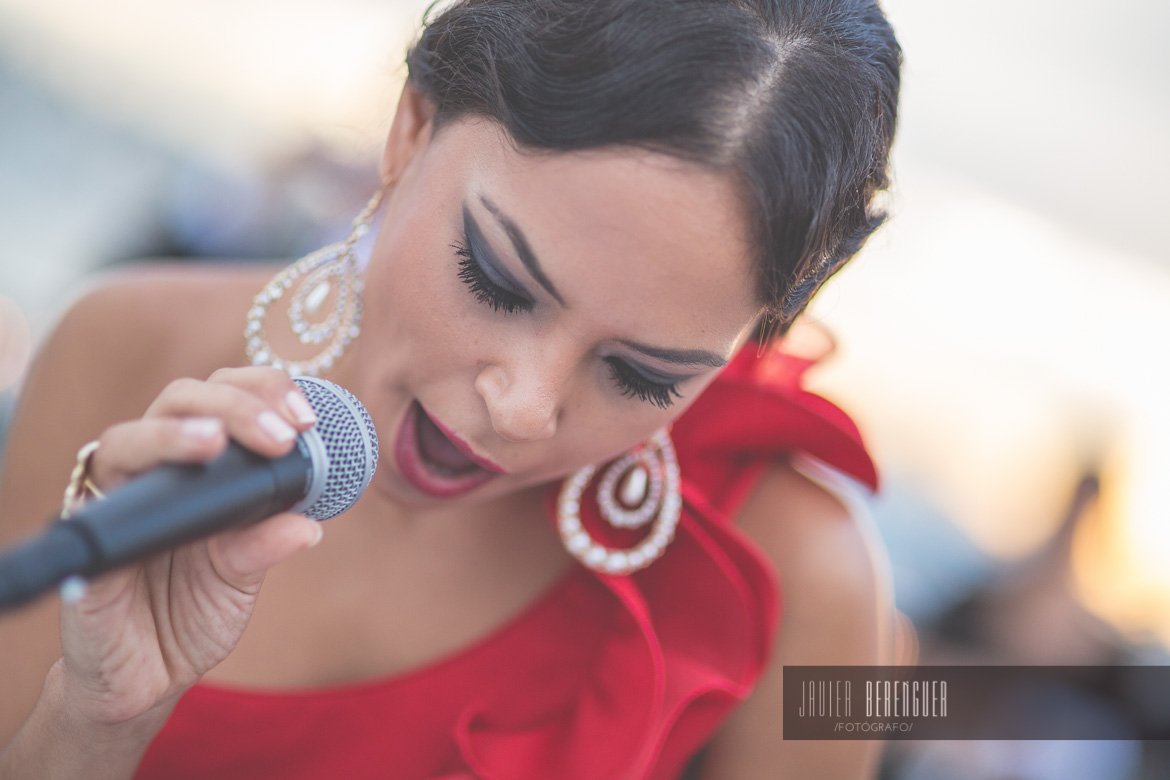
[{"x": 351, "y": 446}]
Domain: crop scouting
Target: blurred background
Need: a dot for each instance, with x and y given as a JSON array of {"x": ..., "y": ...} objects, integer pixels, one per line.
[{"x": 1002, "y": 341}]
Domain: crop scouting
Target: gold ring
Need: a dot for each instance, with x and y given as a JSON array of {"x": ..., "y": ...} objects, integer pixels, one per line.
[{"x": 80, "y": 485}]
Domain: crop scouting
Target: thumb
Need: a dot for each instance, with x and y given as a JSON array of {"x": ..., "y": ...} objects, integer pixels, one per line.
[{"x": 242, "y": 556}]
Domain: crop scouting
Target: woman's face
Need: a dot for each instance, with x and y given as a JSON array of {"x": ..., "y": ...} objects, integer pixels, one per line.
[{"x": 533, "y": 313}]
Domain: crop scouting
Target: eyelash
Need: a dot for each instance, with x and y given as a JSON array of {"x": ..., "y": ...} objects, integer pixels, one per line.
[
  {"x": 629, "y": 382},
  {"x": 484, "y": 289},
  {"x": 634, "y": 385}
]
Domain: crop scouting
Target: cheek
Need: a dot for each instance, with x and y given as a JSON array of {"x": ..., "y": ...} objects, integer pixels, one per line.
[
  {"x": 635, "y": 421},
  {"x": 607, "y": 425},
  {"x": 413, "y": 305}
]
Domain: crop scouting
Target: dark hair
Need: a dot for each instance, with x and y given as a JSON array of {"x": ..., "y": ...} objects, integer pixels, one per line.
[{"x": 796, "y": 98}]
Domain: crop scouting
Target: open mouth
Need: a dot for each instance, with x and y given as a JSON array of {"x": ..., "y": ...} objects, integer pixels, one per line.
[{"x": 431, "y": 462}]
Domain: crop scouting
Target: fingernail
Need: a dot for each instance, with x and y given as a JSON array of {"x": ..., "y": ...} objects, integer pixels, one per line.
[
  {"x": 73, "y": 589},
  {"x": 320, "y": 534},
  {"x": 201, "y": 428},
  {"x": 300, "y": 407},
  {"x": 275, "y": 427}
]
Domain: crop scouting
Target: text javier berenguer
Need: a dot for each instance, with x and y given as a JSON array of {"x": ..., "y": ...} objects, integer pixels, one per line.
[{"x": 883, "y": 698}]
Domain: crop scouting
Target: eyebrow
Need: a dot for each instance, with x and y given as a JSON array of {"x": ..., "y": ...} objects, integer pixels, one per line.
[
  {"x": 520, "y": 244},
  {"x": 683, "y": 357}
]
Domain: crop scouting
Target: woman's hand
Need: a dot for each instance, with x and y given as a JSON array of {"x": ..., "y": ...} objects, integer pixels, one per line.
[{"x": 142, "y": 635}]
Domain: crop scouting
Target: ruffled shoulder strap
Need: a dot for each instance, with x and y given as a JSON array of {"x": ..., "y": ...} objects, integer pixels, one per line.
[
  {"x": 756, "y": 411},
  {"x": 684, "y": 640}
]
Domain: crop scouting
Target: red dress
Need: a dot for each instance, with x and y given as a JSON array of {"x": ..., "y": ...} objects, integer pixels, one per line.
[{"x": 601, "y": 678}]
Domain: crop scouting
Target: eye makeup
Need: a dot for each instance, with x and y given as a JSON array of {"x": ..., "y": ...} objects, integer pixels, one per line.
[
  {"x": 633, "y": 384},
  {"x": 483, "y": 273},
  {"x": 485, "y": 276}
]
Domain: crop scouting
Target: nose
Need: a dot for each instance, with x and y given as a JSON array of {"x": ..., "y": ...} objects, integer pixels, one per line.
[{"x": 523, "y": 404}]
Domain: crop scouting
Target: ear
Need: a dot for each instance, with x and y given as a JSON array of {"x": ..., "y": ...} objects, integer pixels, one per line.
[{"x": 409, "y": 133}]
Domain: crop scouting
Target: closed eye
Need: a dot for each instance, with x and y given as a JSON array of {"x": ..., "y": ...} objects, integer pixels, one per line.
[
  {"x": 485, "y": 290},
  {"x": 633, "y": 384},
  {"x": 481, "y": 271}
]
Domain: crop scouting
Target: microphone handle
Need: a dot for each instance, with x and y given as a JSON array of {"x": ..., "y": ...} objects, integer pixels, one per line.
[{"x": 168, "y": 506}]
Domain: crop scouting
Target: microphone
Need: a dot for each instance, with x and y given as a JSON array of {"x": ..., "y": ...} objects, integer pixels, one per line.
[{"x": 322, "y": 477}]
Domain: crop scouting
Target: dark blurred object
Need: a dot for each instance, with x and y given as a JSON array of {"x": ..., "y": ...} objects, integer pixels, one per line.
[
  {"x": 284, "y": 211},
  {"x": 1029, "y": 615}
]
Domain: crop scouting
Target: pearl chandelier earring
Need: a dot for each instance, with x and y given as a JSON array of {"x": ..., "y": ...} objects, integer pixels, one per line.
[
  {"x": 317, "y": 273},
  {"x": 641, "y": 486}
]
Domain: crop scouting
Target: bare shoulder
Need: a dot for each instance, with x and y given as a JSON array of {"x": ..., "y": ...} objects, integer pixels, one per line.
[
  {"x": 110, "y": 355},
  {"x": 165, "y": 319},
  {"x": 107, "y": 358},
  {"x": 837, "y": 609},
  {"x": 812, "y": 524}
]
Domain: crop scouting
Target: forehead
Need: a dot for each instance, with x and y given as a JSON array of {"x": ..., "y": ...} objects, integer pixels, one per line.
[{"x": 668, "y": 231}]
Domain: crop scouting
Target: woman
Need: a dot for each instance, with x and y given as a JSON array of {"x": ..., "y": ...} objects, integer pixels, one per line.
[{"x": 590, "y": 210}]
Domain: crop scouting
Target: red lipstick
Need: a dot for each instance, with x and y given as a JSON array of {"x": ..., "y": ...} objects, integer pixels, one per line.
[
  {"x": 437, "y": 476},
  {"x": 464, "y": 447}
]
